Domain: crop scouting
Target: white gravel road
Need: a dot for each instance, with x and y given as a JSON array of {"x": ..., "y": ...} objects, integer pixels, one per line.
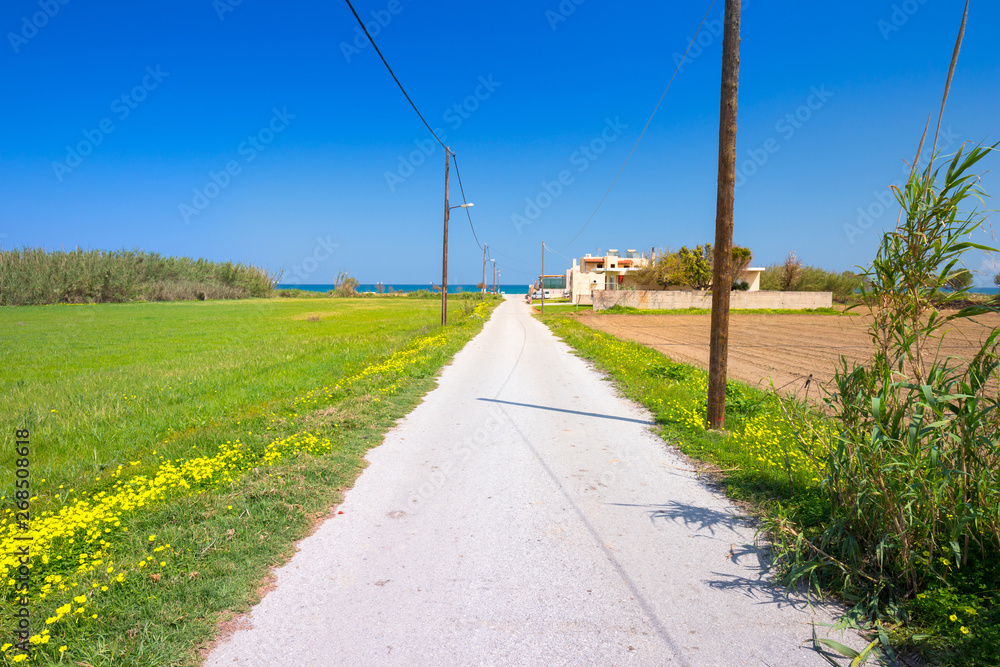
[{"x": 525, "y": 514}]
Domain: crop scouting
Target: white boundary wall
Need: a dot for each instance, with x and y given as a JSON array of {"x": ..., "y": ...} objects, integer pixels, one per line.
[{"x": 679, "y": 300}]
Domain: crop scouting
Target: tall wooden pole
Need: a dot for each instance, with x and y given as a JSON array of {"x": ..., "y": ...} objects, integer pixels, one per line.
[
  {"x": 444, "y": 261},
  {"x": 721, "y": 269},
  {"x": 484, "y": 270},
  {"x": 543, "y": 277}
]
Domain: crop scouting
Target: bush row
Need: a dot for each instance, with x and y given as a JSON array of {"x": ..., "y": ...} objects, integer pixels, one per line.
[
  {"x": 32, "y": 276},
  {"x": 812, "y": 279}
]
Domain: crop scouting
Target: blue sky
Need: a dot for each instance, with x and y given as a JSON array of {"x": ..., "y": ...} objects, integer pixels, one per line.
[{"x": 259, "y": 132}]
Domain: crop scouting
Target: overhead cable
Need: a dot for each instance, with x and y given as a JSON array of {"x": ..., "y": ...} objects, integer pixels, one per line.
[
  {"x": 465, "y": 201},
  {"x": 362, "y": 24},
  {"x": 641, "y": 134}
]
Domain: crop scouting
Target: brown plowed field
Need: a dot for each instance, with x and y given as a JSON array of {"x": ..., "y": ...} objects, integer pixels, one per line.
[{"x": 785, "y": 348}]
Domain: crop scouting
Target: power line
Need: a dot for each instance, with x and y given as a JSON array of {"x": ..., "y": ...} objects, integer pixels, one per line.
[
  {"x": 518, "y": 271},
  {"x": 362, "y": 24},
  {"x": 507, "y": 267},
  {"x": 641, "y": 134},
  {"x": 557, "y": 252},
  {"x": 510, "y": 257},
  {"x": 465, "y": 201}
]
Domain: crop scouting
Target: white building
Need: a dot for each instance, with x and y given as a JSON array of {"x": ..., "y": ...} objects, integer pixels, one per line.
[{"x": 615, "y": 271}]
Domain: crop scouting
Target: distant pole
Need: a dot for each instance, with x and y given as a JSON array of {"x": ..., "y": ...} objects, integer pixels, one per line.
[
  {"x": 444, "y": 260},
  {"x": 484, "y": 269},
  {"x": 543, "y": 278},
  {"x": 721, "y": 271}
]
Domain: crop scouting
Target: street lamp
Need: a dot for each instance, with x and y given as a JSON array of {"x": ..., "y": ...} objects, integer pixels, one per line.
[
  {"x": 444, "y": 268},
  {"x": 485, "y": 246},
  {"x": 444, "y": 258},
  {"x": 494, "y": 274}
]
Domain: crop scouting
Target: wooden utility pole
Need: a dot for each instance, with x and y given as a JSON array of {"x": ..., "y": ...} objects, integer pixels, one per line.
[
  {"x": 444, "y": 261},
  {"x": 484, "y": 270},
  {"x": 543, "y": 277},
  {"x": 721, "y": 269}
]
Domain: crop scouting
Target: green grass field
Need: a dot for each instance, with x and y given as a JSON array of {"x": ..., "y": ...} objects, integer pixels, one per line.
[{"x": 177, "y": 450}]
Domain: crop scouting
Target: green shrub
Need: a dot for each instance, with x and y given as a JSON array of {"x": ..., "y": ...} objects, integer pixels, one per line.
[
  {"x": 844, "y": 285},
  {"x": 912, "y": 471},
  {"x": 345, "y": 284},
  {"x": 960, "y": 280},
  {"x": 692, "y": 268},
  {"x": 30, "y": 276}
]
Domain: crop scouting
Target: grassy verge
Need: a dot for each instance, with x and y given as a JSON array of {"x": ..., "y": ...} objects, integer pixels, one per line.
[
  {"x": 760, "y": 460},
  {"x": 178, "y": 450},
  {"x": 562, "y": 307}
]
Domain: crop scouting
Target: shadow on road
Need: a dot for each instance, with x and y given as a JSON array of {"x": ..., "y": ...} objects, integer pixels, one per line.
[
  {"x": 644, "y": 422},
  {"x": 701, "y": 518}
]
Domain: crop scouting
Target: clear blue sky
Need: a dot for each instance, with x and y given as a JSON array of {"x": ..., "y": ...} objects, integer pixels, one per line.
[{"x": 199, "y": 78}]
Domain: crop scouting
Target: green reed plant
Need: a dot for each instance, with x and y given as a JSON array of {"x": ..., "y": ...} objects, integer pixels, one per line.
[
  {"x": 910, "y": 461},
  {"x": 33, "y": 276},
  {"x": 911, "y": 471}
]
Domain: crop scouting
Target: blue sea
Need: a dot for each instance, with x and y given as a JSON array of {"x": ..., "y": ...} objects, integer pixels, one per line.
[{"x": 452, "y": 289}]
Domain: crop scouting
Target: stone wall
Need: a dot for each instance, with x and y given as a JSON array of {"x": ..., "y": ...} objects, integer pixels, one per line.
[{"x": 679, "y": 300}]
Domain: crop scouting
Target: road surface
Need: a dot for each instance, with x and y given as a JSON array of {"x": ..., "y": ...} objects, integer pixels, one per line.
[{"x": 525, "y": 514}]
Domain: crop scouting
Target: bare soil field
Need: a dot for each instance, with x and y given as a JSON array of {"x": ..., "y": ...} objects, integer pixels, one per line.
[{"x": 785, "y": 349}]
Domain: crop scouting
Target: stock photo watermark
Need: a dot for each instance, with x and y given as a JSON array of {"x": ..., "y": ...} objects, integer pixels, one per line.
[
  {"x": 22, "y": 539},
  {"x": 884, "y": 200},
  {"x": 454, "y": 116},
  {"x": 900, "y": 15},
  {"x": 248, "y": 150},
  {"x": 380, "y": 18},
  {"x": 322, "y": 251},
  {"x": 581, "y": 158},
  {"x": 30, "y": 25},
  {"x": 562, "y": 13},
  {"x": 486, "y": 434},
  {"x": 121, "y": 108},
  {"x": 223, "y": 7},
  {"x": 786, "y": 128}
]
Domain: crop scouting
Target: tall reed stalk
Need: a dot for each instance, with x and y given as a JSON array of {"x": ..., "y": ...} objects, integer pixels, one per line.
[{"x": 912, "y": 469}]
